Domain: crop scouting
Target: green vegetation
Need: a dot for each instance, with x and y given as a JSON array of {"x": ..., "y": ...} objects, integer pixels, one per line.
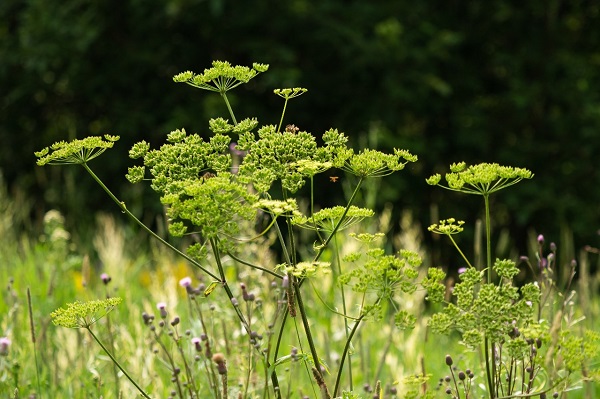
[
  {"x": 511, "y": 83},
  {"x": 280, "y": 297}
]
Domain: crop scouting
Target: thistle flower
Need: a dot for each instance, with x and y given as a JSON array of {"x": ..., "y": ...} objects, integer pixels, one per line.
[
  {"x": 75, "y": 152},
  {"x": 162, "y": 308},
  {"x": 186, "y": 283},
  {"x": 105, "y": 278},
  {"x": 4, "y": 346},
  {"x": 83, "y": 314},
  {"x": 197, "y": 344}
]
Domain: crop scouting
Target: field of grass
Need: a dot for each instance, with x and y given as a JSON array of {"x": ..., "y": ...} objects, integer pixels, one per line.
[
  {"x": 262, "y": 294},
  {"x": 48, "y": 361}
]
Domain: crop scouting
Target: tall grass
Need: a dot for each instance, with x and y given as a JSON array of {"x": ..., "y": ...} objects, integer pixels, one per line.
[{"x": 71, "y": 366}]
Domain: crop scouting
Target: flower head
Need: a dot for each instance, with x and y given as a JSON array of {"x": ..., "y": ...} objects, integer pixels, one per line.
[
  {"x": 105, "y": 278},
  {"x": 483, "y": 178},
  {"x": 290, "y": 93},
  {"x": 185, "y": 282},
  {"x": 4, "y": 346},
  {"x": 76, "y": 151},
  {"x": 221, "y": 77},
  {"x": 447, "y": 227},
  {"x": 83, "y": 314}
]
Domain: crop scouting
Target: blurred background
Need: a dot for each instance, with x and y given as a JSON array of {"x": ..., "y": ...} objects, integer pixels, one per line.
[{"x": 512, "y": 82}]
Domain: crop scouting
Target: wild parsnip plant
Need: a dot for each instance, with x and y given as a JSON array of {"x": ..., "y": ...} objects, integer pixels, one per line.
[
  {"x": 284, "y": 264},
  {"x": 524, "y": 344},
  {"x": 212, "y": 187}
]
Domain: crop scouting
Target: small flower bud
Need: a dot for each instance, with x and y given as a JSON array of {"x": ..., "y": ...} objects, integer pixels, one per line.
[
  {"x": 4, "y": 346},
  {"x": 540, "y": 239},
  {"x": 162, "y": 307},
  {"x": 186, "y": 283},
  {"x": 462, "y": 375},
  {"x": 219, "y": 359},
  {"x": 148, "y": 318},
  {"x": 552, "y": 247},
  {"x": 449, "y": 360},
  {"x": 175, "y": 321},
  {"x": 105, "y": 278},
  {"x": 197, "y": 344}
]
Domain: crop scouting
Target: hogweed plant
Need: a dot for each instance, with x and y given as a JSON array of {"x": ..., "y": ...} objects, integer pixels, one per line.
[{"x": 242, "y": 185}]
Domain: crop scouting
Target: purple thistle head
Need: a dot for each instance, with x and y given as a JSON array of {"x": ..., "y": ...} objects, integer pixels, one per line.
[
  {"x": 162, "y": 307},
  {"x": 197, "y": 343},
  {"x": 4, "y": 345},
  {"x": 185, "y": 282},
  {"x": 105, "y": 278}
]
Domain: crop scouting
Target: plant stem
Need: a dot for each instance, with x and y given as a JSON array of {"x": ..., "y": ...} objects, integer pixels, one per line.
[
  {"x": 33, "y": 340},
  {"x": 489, "y": 346},
  {"x": 306, "y": 324},
  {"x": 339, "y": 264},
  {"x": 339, "y": 223},
  {"x": 488, "y": 237},
  {"x": 345, "y": 353},
  {"x": 144, "y": 394},
  {"x": 223, "y": 280},
  {"x": 224, "y": 96},
  {"x": 459, "y": 251},
  {"x": 282, "y": 114},
  {"x": 121, "y": 205}
]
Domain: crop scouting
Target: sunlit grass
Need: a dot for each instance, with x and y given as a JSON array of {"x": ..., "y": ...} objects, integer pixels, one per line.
[{"x": 72, "y": 366}]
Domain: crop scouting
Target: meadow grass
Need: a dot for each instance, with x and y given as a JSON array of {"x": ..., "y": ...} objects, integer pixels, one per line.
[
  {"x": 260, "y": 293},
  {"x": 71, "y": 365}
]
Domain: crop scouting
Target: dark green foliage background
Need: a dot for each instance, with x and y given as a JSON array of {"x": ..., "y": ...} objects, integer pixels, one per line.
[{"x": 513, "y": 82}]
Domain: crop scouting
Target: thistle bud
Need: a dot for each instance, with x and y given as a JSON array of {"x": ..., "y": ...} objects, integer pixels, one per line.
[{"x": 449, "y": 360}]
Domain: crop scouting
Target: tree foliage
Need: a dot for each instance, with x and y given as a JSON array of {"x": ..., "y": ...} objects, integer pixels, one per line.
[{"x": 507, "y": 82}]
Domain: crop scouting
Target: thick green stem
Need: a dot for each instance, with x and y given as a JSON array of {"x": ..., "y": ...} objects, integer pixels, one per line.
[
  {"x": 229, "y": 107},
  {"x": 489, "y": 346},
  {"x": 306, "y": 324},
  {"x": 121, "y": 205},
  {"x": 488, "y": 237},
  {"x": 144, "y": 394},
  {"x": 217, "y": 253}
]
